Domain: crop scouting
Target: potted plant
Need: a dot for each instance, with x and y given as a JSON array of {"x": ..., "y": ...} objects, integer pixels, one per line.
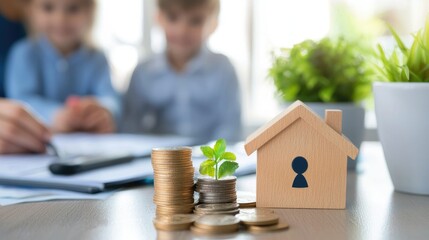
[
  {"x": 328, "y": 74},
  {"x": 217, "y": 184},
  {"x": 402, "y": 105}
]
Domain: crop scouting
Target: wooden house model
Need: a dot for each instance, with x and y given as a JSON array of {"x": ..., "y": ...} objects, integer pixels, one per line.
[{"x": 302, "y": 160}]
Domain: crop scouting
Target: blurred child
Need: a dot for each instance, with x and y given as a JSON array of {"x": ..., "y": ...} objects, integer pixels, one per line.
[
  {"x": 187, "y": 90},
  {"x": 63, "y": 79}
]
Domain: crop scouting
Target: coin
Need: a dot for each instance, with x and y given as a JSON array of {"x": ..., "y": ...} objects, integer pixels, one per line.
[
  {"x": 174, "y": 222},
  {"x": 217, "y": 201},
  {"x": 246, "y": 199},
  {"x": 202, "y": 231},
  {"x": 260, "y": 211},
  {"x": 227, "y": 212},
  {"x": 216, "y": 191},
  {"x": 173, "y": 181},
  {"x": 216, "y": 207},
  {"x": 258, "y": 219},
  {"x": 282, "y": 225},
  {"x": 217, "y": 222}
]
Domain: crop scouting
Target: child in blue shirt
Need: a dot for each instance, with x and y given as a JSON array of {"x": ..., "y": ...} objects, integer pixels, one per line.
[
  {"x": 187, "y": 90},
  {"x": 63, "y": 79}
]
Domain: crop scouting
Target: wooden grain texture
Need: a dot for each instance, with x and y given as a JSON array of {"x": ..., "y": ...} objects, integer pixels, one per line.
[
  {"x": 326, "y": 174},
  {"x": 298, "y": 110},
  {"x": 334, "y": 118},
  {"x": 374, "y": 211}
]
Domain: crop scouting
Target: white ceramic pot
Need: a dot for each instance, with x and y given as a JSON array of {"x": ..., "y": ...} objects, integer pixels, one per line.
[
  {"x": 353, "y": 122},
  {"x": 402, "y": 111}
]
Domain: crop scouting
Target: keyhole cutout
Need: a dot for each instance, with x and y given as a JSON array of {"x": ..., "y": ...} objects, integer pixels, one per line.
[{"x": 299, "y": 166}]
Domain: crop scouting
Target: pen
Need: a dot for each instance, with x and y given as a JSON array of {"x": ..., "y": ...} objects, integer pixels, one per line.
[{"x": 50, "y": 146}]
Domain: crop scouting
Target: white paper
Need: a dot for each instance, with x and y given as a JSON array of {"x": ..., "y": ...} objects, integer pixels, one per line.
[
  {"x": 15, "y": 195},
  {"x": 86, "y": 144},
  {"x": 32, "y": 170}
]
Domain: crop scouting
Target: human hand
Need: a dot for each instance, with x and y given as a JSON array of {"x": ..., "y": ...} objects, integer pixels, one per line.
[
  {"x": 84, "y": 114},
  {"x": 20, "y": 132}
]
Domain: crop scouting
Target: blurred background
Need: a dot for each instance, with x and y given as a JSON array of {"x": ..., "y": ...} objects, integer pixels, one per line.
[{"x": 248, "y": 33}]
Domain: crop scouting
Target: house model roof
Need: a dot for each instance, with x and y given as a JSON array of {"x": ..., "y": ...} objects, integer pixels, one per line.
[{"x": 298, "y": 110}]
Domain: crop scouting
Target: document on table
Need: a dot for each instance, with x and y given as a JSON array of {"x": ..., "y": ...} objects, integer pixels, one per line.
[
  {"x": 14, "y": 195},
  {"x": 32, "y": 170},
  {"x": 139, "y": 145}
]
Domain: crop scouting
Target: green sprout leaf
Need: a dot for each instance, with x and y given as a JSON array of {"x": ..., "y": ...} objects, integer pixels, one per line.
[
  {"x": 208, "y": 152},
  {"x": 219, "y": 148},
  {"x": 227, "y": 168},
  {"x": 207, "y": 168},
  {"x": 219, "y": 163},
  {"x": 229, "y": 156}
]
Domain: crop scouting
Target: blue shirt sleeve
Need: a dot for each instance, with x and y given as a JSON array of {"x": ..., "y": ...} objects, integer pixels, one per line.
[
  {"x": 103, "y": 89},
  {"x": 10, "y": 33},
  {"x": 229, "y": 124},
  {"x": 133, "y": 104},
  {"x": 23, "y": 82}
]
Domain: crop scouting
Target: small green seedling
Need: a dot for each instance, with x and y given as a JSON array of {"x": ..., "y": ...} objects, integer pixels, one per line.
[{"x": 219, "y": 163}]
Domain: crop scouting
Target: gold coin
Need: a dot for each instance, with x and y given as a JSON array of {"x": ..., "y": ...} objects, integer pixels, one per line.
[
  {"x": 174, "y": 176},
  {"x": 176, "y": 199},
  {"x": 160, "y": 212},
  {"x": 202, "y": 231},
  {"x": 270, "y": 228},
  {"x": 246, "y": 198},
  {"x": 189, "y": 199},
  {"x": 172, "y": 202},
  {"x": 258, "y": 219},
  {"x": 251, "y": 205},
  {"x": 173, "y": 207},
  {"x": 171, "y": 163},
  {"x": 178, "y": 219},
  {"x": 175, "y": 222},
  {"x": 176, "y": 179},
  {"x": 170, "y": 186},
  {"x": 175, "y": 170}
]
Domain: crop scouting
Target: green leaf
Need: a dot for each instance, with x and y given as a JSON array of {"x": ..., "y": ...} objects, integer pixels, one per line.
[
  {"x": 219, "y": 148},
  {"x": 229, "y": 156},
  {"x": 207, "y": 151},
  {"x": 398, "y": 40},
  {"x": 227, "y": 168},
  {"x": 328, "y": 70},
  {"x": 410, "y": 64},
  {"x": 207, "y": 168}
]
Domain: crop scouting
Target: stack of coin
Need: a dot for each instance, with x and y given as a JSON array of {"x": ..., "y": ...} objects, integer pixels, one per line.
[
  {"x": 175, "y": 222},
  {"x": 216, "y": 224},
  {"x": 173, "y": 180},
  {"x": 217, "y": 191},
  {"x": 216, "y": 209}
]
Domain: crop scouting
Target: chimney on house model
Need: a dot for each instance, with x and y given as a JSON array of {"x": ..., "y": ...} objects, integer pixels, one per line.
[{"x": 334, "y": 119}]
